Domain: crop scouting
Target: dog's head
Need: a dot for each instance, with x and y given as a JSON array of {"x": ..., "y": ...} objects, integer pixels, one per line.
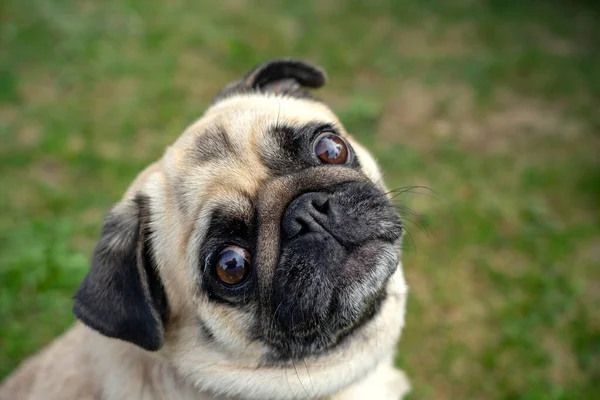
[{"x": 262, "y": 243}]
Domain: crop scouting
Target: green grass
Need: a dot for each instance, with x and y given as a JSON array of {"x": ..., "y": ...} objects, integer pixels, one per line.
[{"x": 492, "y": 104}]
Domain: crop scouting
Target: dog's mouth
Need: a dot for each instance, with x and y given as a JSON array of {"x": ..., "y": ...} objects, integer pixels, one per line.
[
  {"x": 319, "y": 338},
  {"x": 338, "y": 250}
]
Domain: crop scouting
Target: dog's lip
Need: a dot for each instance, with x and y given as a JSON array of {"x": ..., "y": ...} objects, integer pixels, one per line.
[
  {"x": 279, "y": 354},
  {"x": 325, "y": 234}
]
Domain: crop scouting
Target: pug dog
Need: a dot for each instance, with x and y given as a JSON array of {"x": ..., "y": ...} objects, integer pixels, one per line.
[{"x": 257, "y": 259}]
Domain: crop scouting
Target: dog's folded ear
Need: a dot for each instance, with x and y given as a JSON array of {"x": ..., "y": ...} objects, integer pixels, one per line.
[
  {"x": 283, "y": 76},
  {"x": 122, "y": 296}
]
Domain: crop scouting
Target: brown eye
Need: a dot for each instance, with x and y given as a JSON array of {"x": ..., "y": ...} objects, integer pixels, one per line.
[
  {"x": 331, "y": 149},
  {"x": 233, "y": 265}
]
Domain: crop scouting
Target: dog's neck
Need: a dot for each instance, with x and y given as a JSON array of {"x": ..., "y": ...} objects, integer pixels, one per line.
[{"x": 126, "y": 371}]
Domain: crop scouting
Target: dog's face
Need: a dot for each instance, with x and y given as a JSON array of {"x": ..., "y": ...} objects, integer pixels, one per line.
[{"x": 261, "y": 249}]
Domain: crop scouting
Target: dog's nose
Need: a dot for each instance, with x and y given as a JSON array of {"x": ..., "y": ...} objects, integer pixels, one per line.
[{"x": 312, "y": 212}]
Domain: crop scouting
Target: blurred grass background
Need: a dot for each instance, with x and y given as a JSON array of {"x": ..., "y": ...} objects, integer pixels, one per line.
[{"x": 493, "y": 104}]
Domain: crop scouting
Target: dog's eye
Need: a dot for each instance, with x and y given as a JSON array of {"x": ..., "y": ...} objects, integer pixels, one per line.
[
  {"x": 331, "y": 149},
  {"x": 233, "y": 265}
]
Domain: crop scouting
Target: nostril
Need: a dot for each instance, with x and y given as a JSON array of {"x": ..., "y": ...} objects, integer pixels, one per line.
[
  {"x": 303, "y": 227},
  {"x": 321, "y": 205}
]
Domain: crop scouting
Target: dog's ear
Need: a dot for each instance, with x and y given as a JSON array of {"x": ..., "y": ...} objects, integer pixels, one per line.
[
  {"x": 122, "y": 296},
  {"x": 282, "y": 76}
]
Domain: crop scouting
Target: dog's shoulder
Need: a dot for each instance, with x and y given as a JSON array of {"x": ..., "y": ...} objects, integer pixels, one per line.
[{"x": 61, "y": 371}]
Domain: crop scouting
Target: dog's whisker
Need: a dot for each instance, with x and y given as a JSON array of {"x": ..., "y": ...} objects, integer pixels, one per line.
[
  {"x": 309, "y": 377},
  {"x": 418, "y": 219},
  {"x": 411, "y": 238},
  {"x": 413, "y": 187},
  {"x": 300, "y": 380},
  {"x": 413, "y": 191},
  {"x": 287, "y": 379},
  {"x": 278, "y": 113}
]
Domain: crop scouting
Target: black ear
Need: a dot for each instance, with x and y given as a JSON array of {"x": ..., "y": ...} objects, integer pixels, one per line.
[
  {"x": 122, "y": 296},
  {"x": 282, "y": 76}
]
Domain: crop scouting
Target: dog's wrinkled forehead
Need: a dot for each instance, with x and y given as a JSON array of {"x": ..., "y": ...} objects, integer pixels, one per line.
[{"x": 231, "y": 150}]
